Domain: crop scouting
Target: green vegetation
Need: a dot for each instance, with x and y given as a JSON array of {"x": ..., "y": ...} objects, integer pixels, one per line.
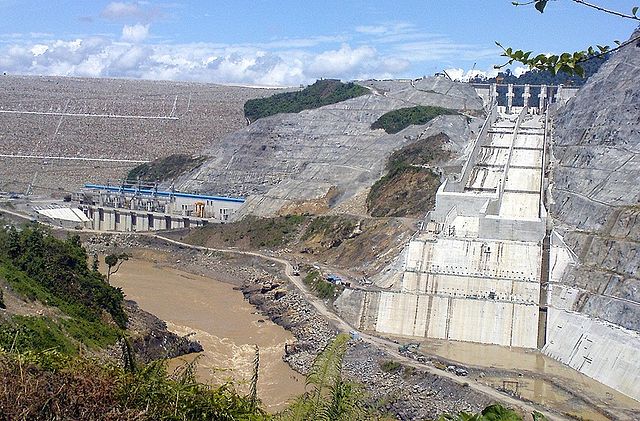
[
  {"x": 322, "y": 288},
  {"x": 409, "y": 187},
  {"x": 571, "y": 63},
  {"x": 34, "y": 333},
  {"x": 250, "y": 232},
  {"x": 167, "y": 168},
  {"x": 49, "y": 385},
  {"x": 396, "y": 120},
  {"x": 54, "y": 272},
  {"x": 390, "y": 366},
  {"x": 404, "y": 191},
  {"x": 426, "y": 151},
  {"x": 112, "y": 261},
  {"x": 329, "y": 396},
  {"x": 323, "y": 92},
  {"x": 494, "y": 412}
]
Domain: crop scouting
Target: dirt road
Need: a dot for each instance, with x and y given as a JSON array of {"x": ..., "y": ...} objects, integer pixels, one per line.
[{"x": 388, "y": 346}]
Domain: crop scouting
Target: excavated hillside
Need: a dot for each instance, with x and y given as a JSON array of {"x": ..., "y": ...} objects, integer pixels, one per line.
[
  {"x": 327, "y": 157},
  {"x": 409, "y": 188},
  {"x": 596, "y": 190},
  {"x": 594, "y": 287}
]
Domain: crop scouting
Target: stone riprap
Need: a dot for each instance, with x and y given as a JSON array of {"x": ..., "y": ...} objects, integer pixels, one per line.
[
  {"x": 106, "y": 118},
  {"x": 594, "y": 297},
  {"x": 289, "y": 158}
]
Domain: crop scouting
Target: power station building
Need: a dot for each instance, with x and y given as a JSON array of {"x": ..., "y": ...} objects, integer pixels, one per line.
[{"x": 145, "y": 208}]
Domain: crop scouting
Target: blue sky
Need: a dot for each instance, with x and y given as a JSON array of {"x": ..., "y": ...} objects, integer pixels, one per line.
[{"x": 286, "y": 43}]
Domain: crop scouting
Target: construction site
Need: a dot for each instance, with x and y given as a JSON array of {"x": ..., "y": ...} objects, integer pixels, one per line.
[{"x": 488, "y": 264}]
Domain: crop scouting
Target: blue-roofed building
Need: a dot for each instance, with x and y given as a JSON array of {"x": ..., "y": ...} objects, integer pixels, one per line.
[{"x": 146, "y": 208}]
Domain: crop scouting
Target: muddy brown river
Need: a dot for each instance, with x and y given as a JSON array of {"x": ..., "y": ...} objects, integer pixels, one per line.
[{"x": 220, "y": 319}]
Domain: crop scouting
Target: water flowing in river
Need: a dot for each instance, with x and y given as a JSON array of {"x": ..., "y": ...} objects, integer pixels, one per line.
[{"x": 220, "y": 319}]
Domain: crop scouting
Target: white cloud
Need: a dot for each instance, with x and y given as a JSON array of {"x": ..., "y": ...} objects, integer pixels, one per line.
[
  {"x": 346, "y": 60},
  {"x": 520, "y": 70},
  {"x": 464, "y": 75},
  {"x": 367, "y": 29},
  {"x": 133, "y": 11},
  {"x": 376, "y": 51},
  {"x": 120, "y": 10},
  {"x": 135, "y": 33}
]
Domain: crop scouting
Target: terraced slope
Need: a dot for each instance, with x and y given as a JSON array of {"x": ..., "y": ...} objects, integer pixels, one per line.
[{"x": 106, "y": 118}]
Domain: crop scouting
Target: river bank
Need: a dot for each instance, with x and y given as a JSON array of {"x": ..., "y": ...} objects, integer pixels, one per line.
[
  {"x": 407, "y": 391},
  {"x": 214, "y": 314}
]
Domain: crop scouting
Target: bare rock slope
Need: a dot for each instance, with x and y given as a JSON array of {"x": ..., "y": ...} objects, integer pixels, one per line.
[
  {"x": 331, "y": 153},
  {"x": 595, "y": 288}
]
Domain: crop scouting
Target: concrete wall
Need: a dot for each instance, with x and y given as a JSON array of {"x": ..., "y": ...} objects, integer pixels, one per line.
[
  {"x": 468, "y": 257},
  {"x": 484, "y": 92},
  {"x": 460, "y": 319},
  {"x": 475, "y": 150},
  {"x": 601, "y": 350},
  {"x": 499, "y": 228},
  {"x": 218, "y": 209},
  {"x": 468, "y": 204},
  {"x": 126, "y": 220}
]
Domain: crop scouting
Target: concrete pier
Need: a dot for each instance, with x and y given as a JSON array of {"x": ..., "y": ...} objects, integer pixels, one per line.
[{"x": 128, "y": 220}]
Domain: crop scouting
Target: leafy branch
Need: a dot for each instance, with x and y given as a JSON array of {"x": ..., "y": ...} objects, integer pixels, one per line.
[
  {"x": 540, "y": 5},
  {"x": 569, "y": 63}
]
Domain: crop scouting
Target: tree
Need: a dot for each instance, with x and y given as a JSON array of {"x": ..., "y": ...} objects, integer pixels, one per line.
[
  {"x": 95, "y": 263},
  {"x": 114, "y": 260},
  {"x": 568, "y": 62},
  {"x": 329, "y": 396}
]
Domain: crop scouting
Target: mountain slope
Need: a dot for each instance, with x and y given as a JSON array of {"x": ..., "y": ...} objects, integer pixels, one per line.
[
  {"x": 330, "y": 153},
  {"x": 595, "y": 283}
]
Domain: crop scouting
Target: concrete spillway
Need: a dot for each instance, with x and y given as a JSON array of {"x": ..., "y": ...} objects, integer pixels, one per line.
[{"x": 473, "y": 273}]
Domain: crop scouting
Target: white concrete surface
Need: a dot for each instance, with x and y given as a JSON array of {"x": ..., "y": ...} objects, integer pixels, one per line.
[
  {"x": 478, "y": 277},
  {"x": 601, "y": 350},
  {"x": 65, "y": 214}
]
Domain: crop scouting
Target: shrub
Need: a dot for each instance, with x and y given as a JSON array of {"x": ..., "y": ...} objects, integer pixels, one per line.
[
  {"x": 396, "y": 120},
  {"x": 321, "y": 93}
]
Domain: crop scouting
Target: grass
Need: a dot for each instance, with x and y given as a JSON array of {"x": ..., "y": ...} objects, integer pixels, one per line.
[
  {"x": 321, "y": 93},
  {"x": 251, "y": 231},
  {"x": 84, "y": 310},
  {"x": 320, "y": 287},
  {"x": 39, "y": 333},
  {"x": 167, "y": 168},
  {"x": 49, "y": 385},
  {"x": 397, "y": 120},
  {"x": 32, "y": 333},
  {"x": 390, "y": 366}
]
